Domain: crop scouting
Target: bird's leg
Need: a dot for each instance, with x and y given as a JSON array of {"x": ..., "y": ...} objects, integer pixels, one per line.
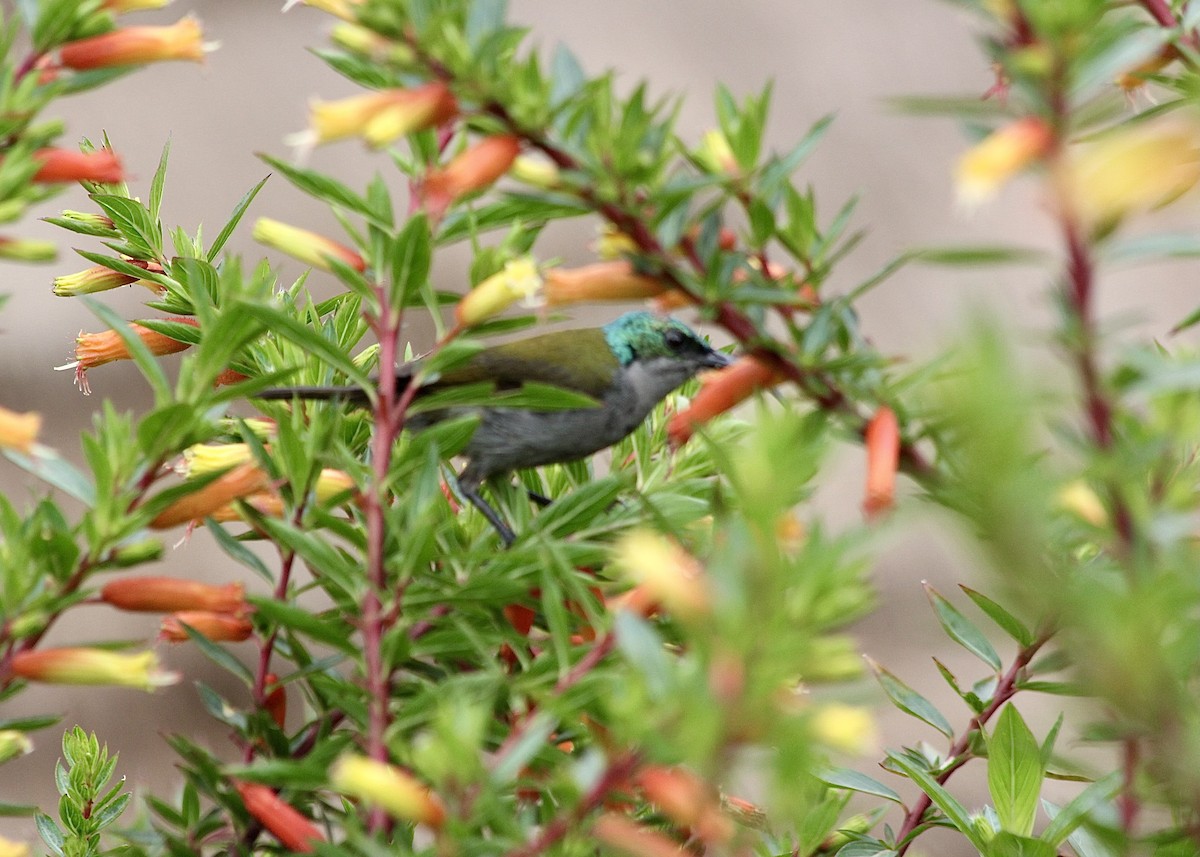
[
  {"x": 469, "y": 484},
  {"x": 540, "y": 499}
]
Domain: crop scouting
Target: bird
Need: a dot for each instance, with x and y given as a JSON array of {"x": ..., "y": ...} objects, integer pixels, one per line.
[{"x": 627, "y": 366}]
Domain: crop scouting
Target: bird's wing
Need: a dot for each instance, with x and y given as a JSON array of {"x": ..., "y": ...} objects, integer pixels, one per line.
[{"x": 579, "y": 360}]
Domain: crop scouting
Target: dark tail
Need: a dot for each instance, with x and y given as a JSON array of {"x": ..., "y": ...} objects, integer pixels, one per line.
[{"x": 352, "y": 394}]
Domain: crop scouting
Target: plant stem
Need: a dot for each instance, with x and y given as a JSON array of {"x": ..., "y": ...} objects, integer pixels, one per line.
[{"x": 960, "y": 751}]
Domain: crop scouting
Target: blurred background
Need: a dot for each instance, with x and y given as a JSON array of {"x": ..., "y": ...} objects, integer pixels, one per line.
[{"x": 846, "y": 58}]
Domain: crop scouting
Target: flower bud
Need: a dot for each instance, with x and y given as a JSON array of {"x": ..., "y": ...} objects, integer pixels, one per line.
[
  {"x": 386, "y": 786},
  {"x": 519, "y": 280},
  {"x": 716, "y": 154},
  {"x": 1079, "y": 499},
  {"x": 332, "y": 483},
  {"x": 100, "y": 224},
  {"x": 92, "y": 666},
  {"x": 286, "y": 824},
  {"x": 475, "y": 169},
  {"x": 721, "y": 391},
  {"x": 998, "y": 157},
  {"x": 603, "y": 281},
  {"x": 536, "y": 172},
  {"x": 614, "y": 244},
  {"x": 310, "y": 248},
  {"x": 100, "y": 279},
  {"x": 686, "y": 800},
  {"x": 847, "y": 728},
  {"x": 12, "y": 848},
  {"x": 1134, "y": 168},
  {"x": 378, "y": 117},
  {"x": 69, "y": 165},
  {"x": 367, "y": 43},
  {"x": 202, "y": 459},
  {"x": 882, "y": 437},
  {"x": 121, "y": 7},
  {"x": 182, "y": 40},
  {"x": 136, "y": 553},
  {"x": 218, "y": 627},
  {"x": 27, "y": 250},
  {"x": 667, "y": 572},
  {"x": 168, "y": 594},
  {"x": 623, "y": 833},
  {"x": 241, "y": 481},
  {"x": 13, "y": 745},
  {"x": 343, "y": 9},
  {"x": 19, "y": 431}
]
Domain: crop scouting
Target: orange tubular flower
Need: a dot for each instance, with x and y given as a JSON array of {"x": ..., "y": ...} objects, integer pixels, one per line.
[
  {"x": 285, "y": 822},
  {"x": 19, "y": 431},
  {"x": 182, "y": 40},
  {"x": 120, "y": 7},
  {"x": 602, "y": 281},
  {"x": 623, "y": 833},
  {"x": 241, "y": 481},
  {"x": 27, "y": 249},
  {"x": 378, "y": 117},
  {"x": 266, "y": 503},
  {"x": 68, "y": 165},
  {"x": 720, "y": 391},
  {"x": 519, "y": 280},
  {"x": 96, "y": 349},
  {"x": 687, "y": 800},
  {"x": 308, "y": 247},
  {"x": 168, "y": 594},
  {"x": 399, "y": 794},
  {"x": 666, "y": 572},
  {"x": 92, "y": 666},
  {"x": 998, "y": 157},
  {"x": 218, "y": 627},
  {"x": 883, "y": 460},
  {"x": 475, "y": 169}
]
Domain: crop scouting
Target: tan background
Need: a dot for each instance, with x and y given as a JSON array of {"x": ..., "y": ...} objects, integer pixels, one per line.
[{"x": 845, "y": 57}]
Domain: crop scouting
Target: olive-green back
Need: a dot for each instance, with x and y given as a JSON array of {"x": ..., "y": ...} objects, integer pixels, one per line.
[{"x": 579, "y": 360}]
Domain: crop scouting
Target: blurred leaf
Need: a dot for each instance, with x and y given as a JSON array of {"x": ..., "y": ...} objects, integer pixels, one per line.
[
  {"x": 308, "y": 339},
  {"x": 1065, "y": 822},
  {"x": 301, "y": 620},
  {"x": 1006, "y": 844},
  {"x": 979, "y": 256}
]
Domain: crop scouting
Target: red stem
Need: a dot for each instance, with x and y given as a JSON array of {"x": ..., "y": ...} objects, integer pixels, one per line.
[{"x": 960, "y": 750}]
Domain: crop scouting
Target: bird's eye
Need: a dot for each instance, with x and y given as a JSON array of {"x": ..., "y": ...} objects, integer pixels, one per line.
[{"x": 674, "y": 338}]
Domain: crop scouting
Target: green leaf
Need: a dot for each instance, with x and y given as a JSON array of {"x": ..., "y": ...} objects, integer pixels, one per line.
[
  {"x": 979, "y": 255},
  {"x": 141, "y": 355},
  {"x": 308, "y": 339},
  {"x": 1066, "y": 821},
  {"x": 156, "y": 183},
  {"x": 866, "y": 848},
  {"x": 1015, "y": 772},
  {"x": 219, "y": 655},
  {"x": 322, "y": 187},
  {"x": 845, "y": 778},
  {"x": 235, "y": 218},
  {"x": 411, "y": 258},
  {"x": 942, "y": 799},
  {"x": 1005, "y": 844},
  {"x": 46, "y": 464},
  {"x": 50, "y": 833},
  {"x": 302, "y": 620},
  {"x": 960, "y": 629},
  {"x": 1007, "y": 622},
  {"x": 134, "y": 222},
  {"x": 909, "y": 701}
]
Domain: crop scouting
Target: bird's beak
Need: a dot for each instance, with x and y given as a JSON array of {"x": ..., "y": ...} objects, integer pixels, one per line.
[{"x": 717, "y": 360}]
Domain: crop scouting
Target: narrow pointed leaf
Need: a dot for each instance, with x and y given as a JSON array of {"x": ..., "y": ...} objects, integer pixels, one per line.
[
  {"x": 1010, "y": 624},
  {"x": 235, "y": 218},
  {"x": 1065, "y": 822},
  {"x": 909, "y": 701},
  {"x": 960, "y": 629},
  {"x": 942, "y": 799},
  {"x": 845, "y": 778}
]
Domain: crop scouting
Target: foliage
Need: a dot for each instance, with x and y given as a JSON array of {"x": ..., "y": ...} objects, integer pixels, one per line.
[{"x": 675, "y": 622}]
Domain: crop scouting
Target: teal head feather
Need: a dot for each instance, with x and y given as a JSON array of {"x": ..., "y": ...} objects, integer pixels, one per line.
[{"x": 645, "y": 335}]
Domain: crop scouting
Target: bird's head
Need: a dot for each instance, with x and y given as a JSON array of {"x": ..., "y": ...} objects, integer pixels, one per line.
[{"x": 661, "y": 346}]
